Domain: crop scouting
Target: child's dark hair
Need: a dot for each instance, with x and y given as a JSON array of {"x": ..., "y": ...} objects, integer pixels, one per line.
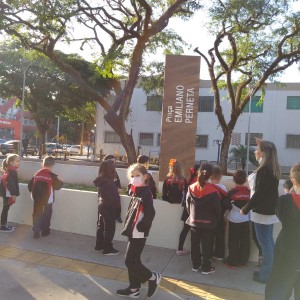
[
  {"x": 48, "y": 161},
  {"x": 142, "y": 159},
  {"x": 107, "y": 169},
  {"x": 216, "y": 172},
  {"x": 109, "y": 156},
  {"x": 205, "y": 172},
  {"x": 140, "y": 167},
  {"x": 288, "y": 184},
  {"x": 8, "y": 160},
  {"x": 239, "y": 177}
]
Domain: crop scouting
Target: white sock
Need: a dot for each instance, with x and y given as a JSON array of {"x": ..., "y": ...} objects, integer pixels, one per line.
[{"x": 153, "y": 277}]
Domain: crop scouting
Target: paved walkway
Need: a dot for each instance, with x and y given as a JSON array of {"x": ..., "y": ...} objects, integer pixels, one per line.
[{"x": 65, "y": 266}]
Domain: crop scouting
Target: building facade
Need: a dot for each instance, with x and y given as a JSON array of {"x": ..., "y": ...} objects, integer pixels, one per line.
[{"x": 276, "y": 119}]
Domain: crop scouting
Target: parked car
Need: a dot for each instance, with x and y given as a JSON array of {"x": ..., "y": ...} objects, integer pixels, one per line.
[
  {"x": 75, "y": 150},
  {"x": 13, "y": 146},
  {"x": 52, "y": 148}
]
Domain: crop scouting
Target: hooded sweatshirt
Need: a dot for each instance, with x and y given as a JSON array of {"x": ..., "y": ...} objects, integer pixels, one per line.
[
  {"x": 203, "y": 206},
  {"x": 107, "y": 192}
]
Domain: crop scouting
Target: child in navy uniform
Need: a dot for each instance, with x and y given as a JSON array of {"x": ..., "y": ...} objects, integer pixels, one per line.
[
  {"x": 42, "y": 186},
  {"x": 204, "y": 208},
  {"x": 239, "y": 227},
  {"x": 175, "y": 185},
  {"x": 108, "y": 208},
  {"x": 9, "y": 188},
  {"x": 285, "y": 274},
  {"x": 137, "y": 225},
  {"x": 219, "y": 235}
]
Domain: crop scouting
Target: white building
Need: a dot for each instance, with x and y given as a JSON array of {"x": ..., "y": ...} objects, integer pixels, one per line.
[{"x": 277, "y": 120}]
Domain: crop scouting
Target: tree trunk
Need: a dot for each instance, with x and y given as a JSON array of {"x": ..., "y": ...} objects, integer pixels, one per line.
[
  {"x": 224, "y": 151},
  {"x": 126, "y": 139}
]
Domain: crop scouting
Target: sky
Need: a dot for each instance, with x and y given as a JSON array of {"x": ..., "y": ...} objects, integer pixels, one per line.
[{"x": 195, "y": 33}]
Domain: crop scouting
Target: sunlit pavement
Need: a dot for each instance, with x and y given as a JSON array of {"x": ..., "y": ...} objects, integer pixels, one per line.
[{"x": 65, "y": 266}]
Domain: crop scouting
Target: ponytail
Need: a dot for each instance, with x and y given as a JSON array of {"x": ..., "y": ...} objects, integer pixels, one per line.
[{"x": 204, "y": 174}]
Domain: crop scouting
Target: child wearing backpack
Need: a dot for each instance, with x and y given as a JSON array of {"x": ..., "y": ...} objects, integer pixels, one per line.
[
  {"x": 9, "y": 188},
  {"x": 239, "y": 225}
]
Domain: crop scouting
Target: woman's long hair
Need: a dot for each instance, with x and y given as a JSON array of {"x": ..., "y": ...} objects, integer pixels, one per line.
[
  {"x": 269, "y": 157},
  {"x": 204, "y": 174},
  {"x": 107, "y": 170}
]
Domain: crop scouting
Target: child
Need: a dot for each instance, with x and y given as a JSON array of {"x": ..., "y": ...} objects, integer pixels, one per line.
[
  {"x": 204, "y": 208},
  {"x": 9, "y": 188},
  {"x": 287, "y": 186},
  {"x": 175, "y": 185},
  {"x": 285, "y": 275},
  {"x": 42, "y": 186},
  {"x": 117, "y": 183},
  {"x": 144, "y": 160},
  {"x": 136, "y": 227},
  {"x": 239, "y": 227},
  {"x": 219, "y": 236},
  {"x": 109, "y": 205},
  {"x": 193, "y": 178}
]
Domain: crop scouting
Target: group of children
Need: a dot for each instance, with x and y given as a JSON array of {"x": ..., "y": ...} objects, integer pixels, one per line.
[
  {"x": 205, "y": 201},
  {"x": 41, "y": 186}
]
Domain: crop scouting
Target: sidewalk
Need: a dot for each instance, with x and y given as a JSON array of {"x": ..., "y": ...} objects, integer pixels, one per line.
[{"x": 64, "y": 266}]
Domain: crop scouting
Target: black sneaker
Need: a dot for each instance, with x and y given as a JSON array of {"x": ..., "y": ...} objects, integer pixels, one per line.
[
  {"x": 113, "y": 251},
  {"x": 119, "y": 220},
  {"x": 6, "y": 228},
  {"x": 129, "y": 293},
  {"x": 153, "y": 284},
  {"x": 36, "y": 235},
  {"x": 210, "y": 271},
  {"x": 98, "y": 248},
  {"x": 46, "y": 233}
]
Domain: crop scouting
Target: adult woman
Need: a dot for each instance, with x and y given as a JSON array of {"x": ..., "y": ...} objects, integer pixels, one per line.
[{"x": 263, "y": 184}]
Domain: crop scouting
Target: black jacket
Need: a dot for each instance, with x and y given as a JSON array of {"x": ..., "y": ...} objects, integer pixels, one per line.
[
  {"x": 288, "y": 241},
  {"x": 203, "y": 206},
  {"x": 140, "y": 213},
  {"x": 41, "y": 183},
  {"x": 238, "y": 196},
  {"x": 174, "y": 190},
  {"x": 10, "y": 182},
  {"x": 107, "y": 192},
  {"x": 264, "y": 199}
]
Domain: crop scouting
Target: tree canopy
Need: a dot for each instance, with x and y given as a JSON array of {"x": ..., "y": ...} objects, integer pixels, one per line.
[
  {"x": 255, "y": 41},
  {"x": 120, "y": 32},
  {"x": 49, "y": 92}
]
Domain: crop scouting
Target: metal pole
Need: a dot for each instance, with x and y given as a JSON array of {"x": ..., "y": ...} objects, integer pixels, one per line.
[
  {"x": 22, "y": 110},
  {"x": 58, "y": 119},
  {"x": 248, "y": 139}
]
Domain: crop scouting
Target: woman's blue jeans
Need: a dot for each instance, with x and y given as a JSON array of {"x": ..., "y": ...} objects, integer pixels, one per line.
[{"x": 264, "y": 234}]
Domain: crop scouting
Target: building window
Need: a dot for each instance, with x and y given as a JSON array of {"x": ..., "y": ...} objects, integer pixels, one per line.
[
  {"x": 206, "y": 104},
  {"x": 256, "y": 106},
  {"x": 158, "y": 140},
  {"x": 236, "y": 138},
  {"x": 111, "y": 137},
  {"x": 201, "y": 141},
  {"x": 252, "y": 138},
  {"x": 293, "y": 103},
  {"x": 146, "y": 139},
  {"x": 293, "y": 141},
  {"x": 154, "y": 103}
]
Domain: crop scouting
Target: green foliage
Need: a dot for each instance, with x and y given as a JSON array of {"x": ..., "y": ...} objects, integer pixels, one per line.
[{"x": 239, "y": 154}]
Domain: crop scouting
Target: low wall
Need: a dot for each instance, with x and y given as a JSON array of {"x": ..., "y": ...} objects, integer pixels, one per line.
[{"x": 75, "y": 211}]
